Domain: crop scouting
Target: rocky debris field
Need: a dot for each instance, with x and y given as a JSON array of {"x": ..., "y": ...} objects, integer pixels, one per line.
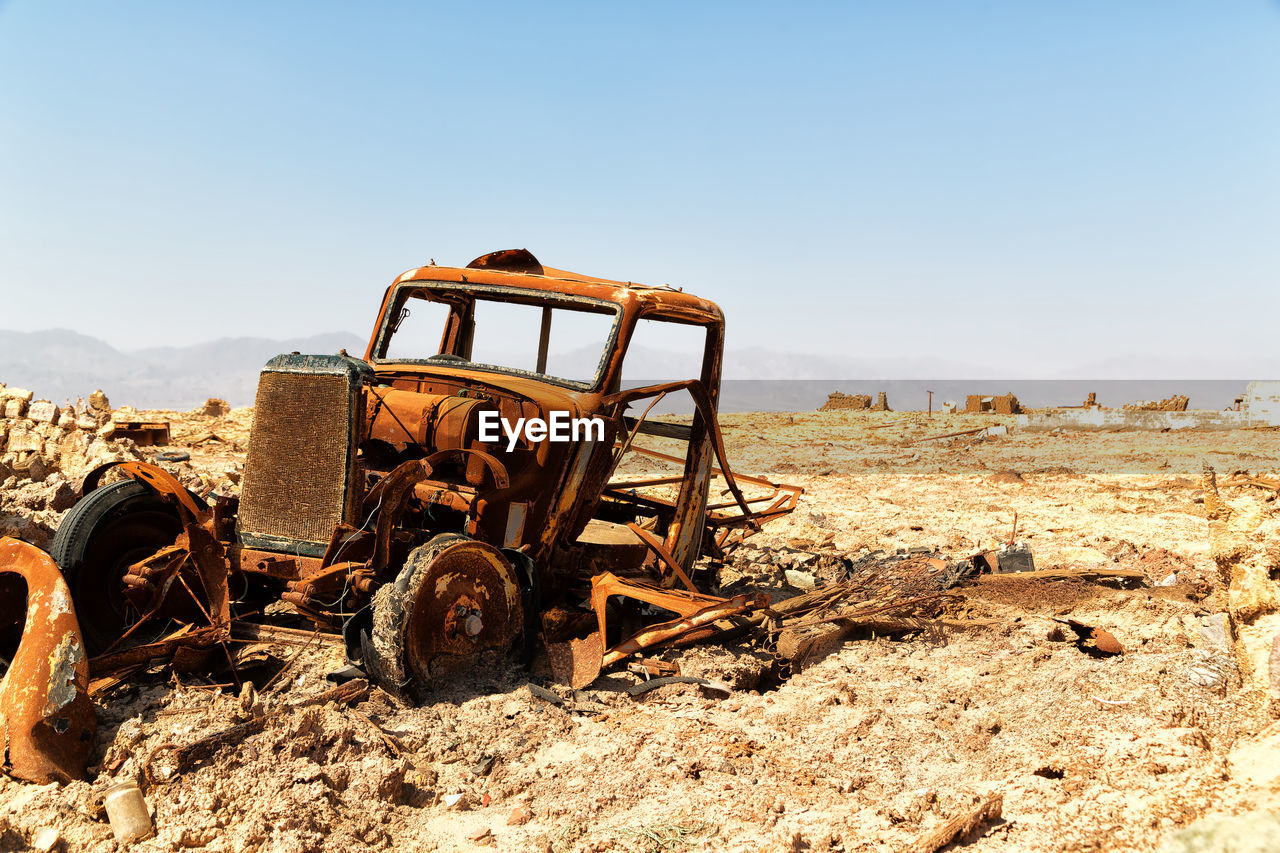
[
  {"x": 875, "y": 745},
  {"x": 46, "y": 450}
]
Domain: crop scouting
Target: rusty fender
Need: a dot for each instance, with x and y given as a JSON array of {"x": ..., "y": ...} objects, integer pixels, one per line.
[
  {"x": 160, "y": 481},
  {"x": 47, "y": 724}
]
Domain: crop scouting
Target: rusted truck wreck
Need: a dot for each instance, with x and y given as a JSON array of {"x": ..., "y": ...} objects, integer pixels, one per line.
[{"x": 376, "y": 501}]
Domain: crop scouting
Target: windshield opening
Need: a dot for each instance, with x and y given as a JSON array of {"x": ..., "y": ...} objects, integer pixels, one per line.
[{"x": 564, "y": 339}]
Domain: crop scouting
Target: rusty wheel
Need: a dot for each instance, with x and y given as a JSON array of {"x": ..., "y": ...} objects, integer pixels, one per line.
[{"x": 454, "y": 608}]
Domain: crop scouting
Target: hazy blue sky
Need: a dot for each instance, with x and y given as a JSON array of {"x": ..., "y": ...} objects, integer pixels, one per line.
[{"x": 1046, "y": 184}]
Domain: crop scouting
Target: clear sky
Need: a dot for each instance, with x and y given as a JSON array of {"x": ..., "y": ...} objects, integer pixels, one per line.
[{"x": 1047, "y": 184}]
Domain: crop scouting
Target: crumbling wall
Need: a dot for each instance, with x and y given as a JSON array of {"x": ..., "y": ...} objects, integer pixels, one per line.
[
  {"x": 45, "y": 449},
  {"x": 1262, "y": 402},
  {"x": 837, "y": 401},
  {"x": 999, "y": 404},
  {"x": 1176, "y": 403}
]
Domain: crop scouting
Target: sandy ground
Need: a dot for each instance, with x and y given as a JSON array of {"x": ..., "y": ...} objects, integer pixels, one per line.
[{"x": 868, "y": 748}]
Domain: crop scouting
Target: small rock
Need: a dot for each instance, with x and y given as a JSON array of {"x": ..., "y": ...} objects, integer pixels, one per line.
[
  {"x": 480, "y": 834},
  {"x": 46, "y": 840},
  {"x": 799, "y": 580},
  {"x": 43, "y": 412},
  {"x": 16, "y": 394},
  {"x": 37, "y": 470},
  {"x": 520, "y": 815},
  {"x": 1215, "y": 632},
  {"x": 99, "y": 402},
  {"x": 22, "y": 440},
  {"x": 21, "y": 527},
  {"x": 457, "y": 802}
]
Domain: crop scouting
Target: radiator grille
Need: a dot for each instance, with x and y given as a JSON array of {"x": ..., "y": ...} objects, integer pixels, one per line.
[{"x": 299, "y": 459}]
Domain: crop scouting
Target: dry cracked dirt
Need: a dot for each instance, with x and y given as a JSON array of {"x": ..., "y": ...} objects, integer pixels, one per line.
[{"x": 869, "y": 748}]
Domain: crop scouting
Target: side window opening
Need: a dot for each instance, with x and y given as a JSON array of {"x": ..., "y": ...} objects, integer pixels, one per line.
[
  {"x": 662, "y": 351},
  {"x": 659, "y": 352}
]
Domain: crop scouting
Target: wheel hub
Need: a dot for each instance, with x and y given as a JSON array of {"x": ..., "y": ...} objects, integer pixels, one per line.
[{"x": 466, "y": 606}]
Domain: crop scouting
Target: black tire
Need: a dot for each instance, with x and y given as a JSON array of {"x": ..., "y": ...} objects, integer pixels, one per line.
[{"x": 102, "y": 535}]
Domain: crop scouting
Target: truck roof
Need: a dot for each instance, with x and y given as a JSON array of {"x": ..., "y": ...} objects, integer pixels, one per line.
[{"x": 519, "y": 268}]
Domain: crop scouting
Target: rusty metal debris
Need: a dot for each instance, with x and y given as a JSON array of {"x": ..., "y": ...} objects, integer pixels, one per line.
[
  {"x": 1097, "y": 642},
  {"x": 46, "y": 721},
  {"x": 142, "y": 433}
]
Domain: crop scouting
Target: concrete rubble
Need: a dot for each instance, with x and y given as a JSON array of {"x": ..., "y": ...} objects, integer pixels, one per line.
[{"x": 44, "y": 450}]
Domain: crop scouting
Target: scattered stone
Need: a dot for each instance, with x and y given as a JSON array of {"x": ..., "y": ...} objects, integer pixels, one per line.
[
  {"x": 46, "y": 840},
  {"x": 1252, "y": 593},
  {"x": 799, "y": 580},
  {"x": 520, "y": 815},
  {"x": 64, "y": 496},
  {"x": 26, "y": 529},
  {"x": 43, "y": 412},
  {"x": 16, "y": 394},
  {"x": 24, "y": 441},
  {"x": 37, "y": 470},
  {"x": 1214, "y": 665}
]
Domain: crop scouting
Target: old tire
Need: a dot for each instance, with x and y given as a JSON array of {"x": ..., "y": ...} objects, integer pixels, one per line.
[
  {"x": 454, "y": 609},
  {"x": 101, "y": 536}
]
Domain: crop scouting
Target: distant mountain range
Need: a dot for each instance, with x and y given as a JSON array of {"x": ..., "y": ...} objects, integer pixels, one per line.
[{"x": 58, "y": 364}]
